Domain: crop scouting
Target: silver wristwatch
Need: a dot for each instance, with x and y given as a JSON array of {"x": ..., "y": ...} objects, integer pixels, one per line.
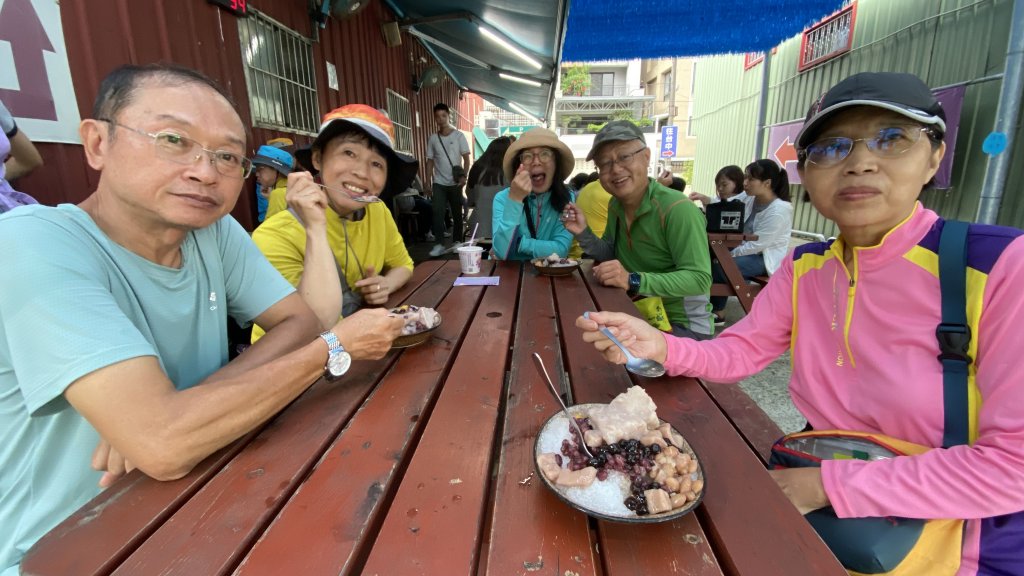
[{"x": 338, "y": 360}]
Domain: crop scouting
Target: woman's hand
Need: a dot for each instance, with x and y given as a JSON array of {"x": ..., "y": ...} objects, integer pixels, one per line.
[
  {"x": 640, "y": 338},
  {"x": 665, "y": 177},
  {"x": 573, "y": 219},
  {"x": 520, "y": 187},
  {"x": 698, "y": 197},
  {"x": 308, "y": 200},
  {"x": 803, "y": 487},
  {"x": 375, "y": 288}
]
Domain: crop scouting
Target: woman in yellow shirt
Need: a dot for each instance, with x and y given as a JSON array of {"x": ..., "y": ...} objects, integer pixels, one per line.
[{"x": 336, "y": 242}]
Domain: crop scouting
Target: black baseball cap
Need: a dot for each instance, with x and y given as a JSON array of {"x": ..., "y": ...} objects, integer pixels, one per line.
[
  {"x": 615, "y": 131},
  {"x": 899, "y": 92}
]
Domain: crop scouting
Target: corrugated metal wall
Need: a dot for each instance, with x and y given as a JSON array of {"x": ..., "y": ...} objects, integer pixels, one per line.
[
  {"x": 103, "y": 35},
  {"x": 944, "y": 42}
]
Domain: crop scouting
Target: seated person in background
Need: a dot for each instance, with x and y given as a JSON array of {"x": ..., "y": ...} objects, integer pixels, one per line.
[
  {"x": 413, "y": 201},
  {"x": 19, "y": 157},
  {"x": 113, "y": 332},
  {"x": 261, "y": 200},
  {"x": 272, "y": 167},
  {"x": 728, "y": 186},
  {"x": 859, "y": 315},
  {"x": 669, "y": 180},
  {"x": 337, "y": 243},
  {"x": 527, "y": 215},
  {"x": 593, "y": 201},
  {"x": 490, "y": 181},
  {"x": 577, "y": 182},
  {"x": 770, "y": 219},
  {"x": 655, "y": 244}
]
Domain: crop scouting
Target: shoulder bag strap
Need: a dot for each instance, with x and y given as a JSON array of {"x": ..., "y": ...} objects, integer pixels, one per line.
[
  {"x": 440, "y": 139},
  {"x": 953, "y": 333}
]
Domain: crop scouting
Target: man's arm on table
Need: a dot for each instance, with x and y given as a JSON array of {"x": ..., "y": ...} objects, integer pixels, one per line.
[{"x": 166, "y": 432}]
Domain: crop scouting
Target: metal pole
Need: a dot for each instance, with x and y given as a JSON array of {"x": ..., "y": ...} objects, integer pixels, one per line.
[
  {"x": 1006, "y": 119},
  {"x": 762, "y": 106}
]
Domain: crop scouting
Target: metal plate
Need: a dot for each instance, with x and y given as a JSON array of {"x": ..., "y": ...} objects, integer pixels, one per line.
[
  {"x": 564, "y": 270},
  {"x": 410, "y": 340},
  {"x": 558, "y": 419}
]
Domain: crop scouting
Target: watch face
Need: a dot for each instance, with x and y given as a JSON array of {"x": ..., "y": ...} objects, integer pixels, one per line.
[{"x": 338, "y": 364}]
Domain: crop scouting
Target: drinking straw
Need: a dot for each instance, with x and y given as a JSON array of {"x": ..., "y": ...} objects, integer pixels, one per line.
[{"x": 473, "y": 235}]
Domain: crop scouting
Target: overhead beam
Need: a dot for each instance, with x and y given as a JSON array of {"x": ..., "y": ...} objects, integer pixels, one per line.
[
  {"x": 441, "y": 44},
  {"x": 450, "y": 17}
]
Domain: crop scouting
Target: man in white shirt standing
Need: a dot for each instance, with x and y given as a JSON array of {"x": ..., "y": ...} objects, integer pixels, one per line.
[{"x": 447, "y": 167}]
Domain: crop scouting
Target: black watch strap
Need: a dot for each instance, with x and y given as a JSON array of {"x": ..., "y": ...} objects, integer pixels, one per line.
[{"x": 634, "y": 284}]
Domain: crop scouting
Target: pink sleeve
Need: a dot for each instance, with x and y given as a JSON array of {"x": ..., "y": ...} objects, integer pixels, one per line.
[
  {"x": 746, "y": 347},
  {"x": 978, "y": 481}
]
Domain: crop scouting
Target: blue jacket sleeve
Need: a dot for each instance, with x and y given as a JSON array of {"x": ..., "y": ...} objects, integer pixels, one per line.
[{"x": 505, "y": 219}]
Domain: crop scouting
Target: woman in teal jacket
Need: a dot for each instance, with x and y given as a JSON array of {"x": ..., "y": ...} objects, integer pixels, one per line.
[{"x": 526, "y": 217}]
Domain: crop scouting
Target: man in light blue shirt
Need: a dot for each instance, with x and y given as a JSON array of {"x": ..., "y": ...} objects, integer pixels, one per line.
[{"x": 113, "y": 313}]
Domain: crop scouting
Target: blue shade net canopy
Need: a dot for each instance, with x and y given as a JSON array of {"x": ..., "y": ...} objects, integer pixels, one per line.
[{"x": 621, "y": 30}]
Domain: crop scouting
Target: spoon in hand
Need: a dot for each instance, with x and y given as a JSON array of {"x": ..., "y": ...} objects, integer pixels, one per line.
[
  {"x": 639, "y": 366},
  {"x": 544, "y": 372}
]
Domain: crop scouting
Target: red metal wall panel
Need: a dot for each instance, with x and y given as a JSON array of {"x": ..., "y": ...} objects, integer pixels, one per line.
[{"x": 103, "y": 35}]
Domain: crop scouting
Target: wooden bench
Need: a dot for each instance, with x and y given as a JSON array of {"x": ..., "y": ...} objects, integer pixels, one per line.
[{"x": 720, "y": 246}]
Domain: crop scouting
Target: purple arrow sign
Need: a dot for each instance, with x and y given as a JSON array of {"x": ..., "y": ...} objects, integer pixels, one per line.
[{"x": 20, "y": 25}]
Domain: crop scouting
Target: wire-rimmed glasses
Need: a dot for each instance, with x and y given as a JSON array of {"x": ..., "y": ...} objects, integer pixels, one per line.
[
  {"x": 184, "y": 150},
  {"x": 886, "y": 143},
  {"x": 621, "y": 160}
]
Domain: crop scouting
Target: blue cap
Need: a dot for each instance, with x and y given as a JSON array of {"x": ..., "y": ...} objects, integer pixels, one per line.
[{"x": 275, "y": 158}]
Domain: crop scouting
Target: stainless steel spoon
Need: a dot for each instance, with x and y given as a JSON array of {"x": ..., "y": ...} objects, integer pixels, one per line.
[
  {"x": 544, "y": 372},
  {"x": 639, "y": 366}
]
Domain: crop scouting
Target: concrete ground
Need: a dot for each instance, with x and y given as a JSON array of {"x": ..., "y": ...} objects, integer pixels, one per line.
[{"x": 769, "y": 388}]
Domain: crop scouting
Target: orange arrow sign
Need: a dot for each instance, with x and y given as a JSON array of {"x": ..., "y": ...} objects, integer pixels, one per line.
[{"x": 785, "y": 153}]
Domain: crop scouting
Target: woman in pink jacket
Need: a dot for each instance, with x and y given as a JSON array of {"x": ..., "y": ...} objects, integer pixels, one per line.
[{"x": 859, "y": 315}]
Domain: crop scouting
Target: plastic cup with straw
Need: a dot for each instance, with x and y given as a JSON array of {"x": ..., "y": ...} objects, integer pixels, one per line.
[{"x": 470, "y": 254}]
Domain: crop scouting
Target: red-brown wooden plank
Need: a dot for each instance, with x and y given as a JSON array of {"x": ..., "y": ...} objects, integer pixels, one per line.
[
  {"x": 756, "y": 427},
  {"x": 750, "y": 523},
  {"x": 214, "y": 530},
  {"x": 434, "y": 524},
  {"x": 531, "y": 529},
  {"x": 420, "y": 274},
  {"x": 210, "y": 532},
  {"x": 665, "y": 548},
  {"x": 326, "y": 525},
  {"x": 125, "y": 515}
]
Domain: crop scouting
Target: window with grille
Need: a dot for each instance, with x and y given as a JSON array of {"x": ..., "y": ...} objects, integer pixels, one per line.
[
  {"x": 752, "y": 59},
  {"x": 666, "y": 86},
  {"x": 829, "y": 38},
  {"x": 279, "y": 75},
  {"x": 401, "y": 117}
]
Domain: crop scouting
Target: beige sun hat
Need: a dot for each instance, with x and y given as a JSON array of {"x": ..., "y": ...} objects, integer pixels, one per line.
[{"x": 539, "y": 137}]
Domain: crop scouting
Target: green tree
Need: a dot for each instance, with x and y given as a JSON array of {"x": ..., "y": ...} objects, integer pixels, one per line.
[{"x": 576, "y": 79}]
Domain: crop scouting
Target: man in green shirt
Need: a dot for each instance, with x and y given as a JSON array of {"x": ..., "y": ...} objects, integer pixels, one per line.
[{"x": 655, "y": 244}]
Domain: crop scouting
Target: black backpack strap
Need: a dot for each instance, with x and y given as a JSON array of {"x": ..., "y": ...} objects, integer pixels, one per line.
[{"x": 953, "y": 333}]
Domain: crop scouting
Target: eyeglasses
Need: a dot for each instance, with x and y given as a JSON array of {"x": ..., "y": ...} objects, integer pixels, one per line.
[
  {"x": 183, "y": 150},
  {"x": 887, "y": 143},
  {"x": 529, "y": 157},
  {"x": 621, "y": 160}
]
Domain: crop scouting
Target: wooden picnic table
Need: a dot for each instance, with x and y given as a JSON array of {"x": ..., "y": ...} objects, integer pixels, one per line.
[
  {"x": 721, "y": 245},
  {"x": 422, "y": 463}
]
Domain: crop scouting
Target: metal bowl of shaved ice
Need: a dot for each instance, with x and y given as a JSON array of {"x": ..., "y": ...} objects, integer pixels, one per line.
[{"x": 606, "y": 499}]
